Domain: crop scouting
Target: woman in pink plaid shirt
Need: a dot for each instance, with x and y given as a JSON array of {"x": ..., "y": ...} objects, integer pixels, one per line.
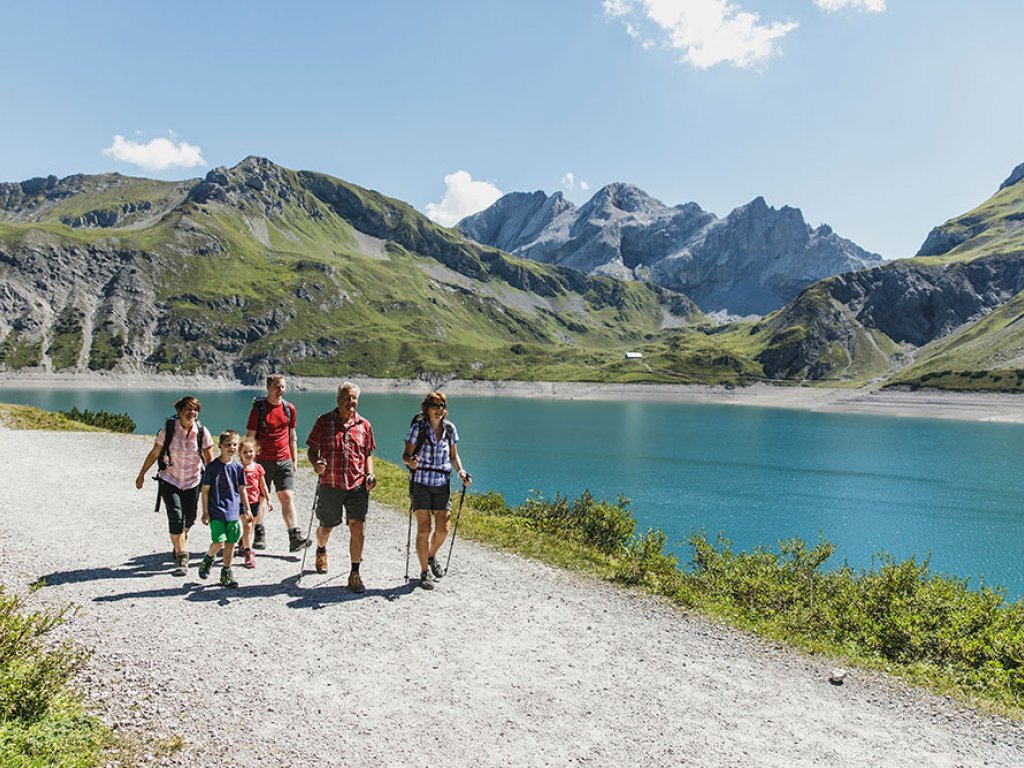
[{"x": 190, "y": 449}]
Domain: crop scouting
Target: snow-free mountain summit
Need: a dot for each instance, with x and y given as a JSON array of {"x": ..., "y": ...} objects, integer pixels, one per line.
[{"x": 749, "y": 263}]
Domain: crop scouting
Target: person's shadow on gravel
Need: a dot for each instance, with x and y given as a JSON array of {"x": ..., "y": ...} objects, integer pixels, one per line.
[
  {"x": 316, "y": 595},
  {"x": 139, "y": 567}
]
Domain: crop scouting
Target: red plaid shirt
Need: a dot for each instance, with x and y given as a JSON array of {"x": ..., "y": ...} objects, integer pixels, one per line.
[{"x": 345, "y": 445}]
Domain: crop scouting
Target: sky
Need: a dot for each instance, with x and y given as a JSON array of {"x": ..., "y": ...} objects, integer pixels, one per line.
[{"x": 881, "y": 118}]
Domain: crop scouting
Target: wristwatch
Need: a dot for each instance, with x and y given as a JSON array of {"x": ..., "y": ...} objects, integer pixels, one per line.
[{"x": 371, "y": 478}]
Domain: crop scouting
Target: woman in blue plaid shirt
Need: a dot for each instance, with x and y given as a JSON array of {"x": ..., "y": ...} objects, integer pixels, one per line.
[{"x": 431, "y": 453}]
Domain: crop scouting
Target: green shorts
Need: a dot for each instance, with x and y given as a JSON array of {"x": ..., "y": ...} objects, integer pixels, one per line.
[{"x": 225, "y": 531}]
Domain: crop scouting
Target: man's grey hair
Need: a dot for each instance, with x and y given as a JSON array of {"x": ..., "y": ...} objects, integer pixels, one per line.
[{"x": 348, "y": 386}]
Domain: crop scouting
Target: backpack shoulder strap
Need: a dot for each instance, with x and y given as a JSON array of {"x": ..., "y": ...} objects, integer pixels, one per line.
[
  {"x": 199, "y": 441},
  {"x": 421, "y": 437},
  {"x": 165, "y": 449}
]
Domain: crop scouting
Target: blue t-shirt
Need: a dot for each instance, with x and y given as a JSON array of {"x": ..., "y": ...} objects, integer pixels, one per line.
[{"x": 226, "y": 482}]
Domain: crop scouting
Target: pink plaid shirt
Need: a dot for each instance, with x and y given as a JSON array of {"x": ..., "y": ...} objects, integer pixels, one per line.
[{"x": 186, "y": 465}]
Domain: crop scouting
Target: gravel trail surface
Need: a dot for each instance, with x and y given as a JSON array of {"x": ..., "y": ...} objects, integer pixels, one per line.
[{"x": 507, "y": 662}]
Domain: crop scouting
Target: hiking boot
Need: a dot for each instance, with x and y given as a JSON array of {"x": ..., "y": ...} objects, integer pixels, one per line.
[
  {"x": 249, "y": 559},
  {"x": 227, "y": 579},
  {"x": 426, "y": 581},
  {"x": 295, "y": 540},
  {"x": 180, "y": 564},
  {"x": 435, "y": 568},
  {"x": 321, "y": 561},
  {"x": 205, "y": 566},
  {"x": 355, "y": 583},
  {"x": 259, "y": 539}
]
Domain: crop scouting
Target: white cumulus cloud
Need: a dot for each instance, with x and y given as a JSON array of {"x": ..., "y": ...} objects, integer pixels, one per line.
[
  {"x": 708, "y": 32},
  {"x": 871, "y": 6},
  {"x": 570, "y": 182},
  {"x": 462, "y": 197},
  {"x": 156, "y": 155}
]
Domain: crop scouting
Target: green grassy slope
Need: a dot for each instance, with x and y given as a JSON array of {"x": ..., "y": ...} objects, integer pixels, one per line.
[{"x": 304, "y": 272}]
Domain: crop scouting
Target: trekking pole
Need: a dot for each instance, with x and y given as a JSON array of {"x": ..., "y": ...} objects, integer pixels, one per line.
[
  {"x": 408, "y": 534},
  {"x": 309, "y": 528},
  {"x": 455, "y": 531}
]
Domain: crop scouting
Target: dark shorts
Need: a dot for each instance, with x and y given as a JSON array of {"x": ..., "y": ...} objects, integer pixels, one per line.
[
  {"x": 333, "y": 505},
  {"x": 431, "y": 496},
  {"x": 280, "y": 473},
  {"x": 180, "y": 507}
]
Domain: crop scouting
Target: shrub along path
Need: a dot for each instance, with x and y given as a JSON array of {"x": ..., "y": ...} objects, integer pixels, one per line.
[{"x": 507, "y": 662}]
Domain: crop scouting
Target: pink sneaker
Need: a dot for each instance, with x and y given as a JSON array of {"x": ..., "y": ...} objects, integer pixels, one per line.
[{"x": 249, "y": 561}]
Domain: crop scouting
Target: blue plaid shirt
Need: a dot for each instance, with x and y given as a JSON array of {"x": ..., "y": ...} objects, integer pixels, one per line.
[{"x": 435, "y": 455}]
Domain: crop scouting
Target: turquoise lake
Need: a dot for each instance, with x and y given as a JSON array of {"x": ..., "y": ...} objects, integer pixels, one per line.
[{"x": 954, "y": 490}]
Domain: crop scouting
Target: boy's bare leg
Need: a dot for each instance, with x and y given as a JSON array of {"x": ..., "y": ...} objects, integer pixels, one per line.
[{"x": 229, "y": 553}]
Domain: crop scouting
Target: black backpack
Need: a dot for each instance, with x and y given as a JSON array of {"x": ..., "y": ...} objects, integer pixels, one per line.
[
  {"x": 261, "y": 403},
  {"x": 163, "y": 460}
]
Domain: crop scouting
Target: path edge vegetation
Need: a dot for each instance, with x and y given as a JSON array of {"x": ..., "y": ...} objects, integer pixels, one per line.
[{"x": 898, "y": 617}]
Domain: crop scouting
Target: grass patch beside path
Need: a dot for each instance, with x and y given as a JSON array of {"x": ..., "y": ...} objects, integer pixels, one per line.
[
  {"x": 26, "y": 417},
  {"x": 898, "y": 617},
  {"x": 42, "y": 722}
]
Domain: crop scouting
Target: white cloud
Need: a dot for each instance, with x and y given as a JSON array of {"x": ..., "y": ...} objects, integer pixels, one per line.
[
  {"x": 462, "y": 197},
  {"x": 709, "y": 32},
  {"x": 871, "y": 6},
  {"x": 156, "y": 155},
  {"x": 570, "y": 182}
]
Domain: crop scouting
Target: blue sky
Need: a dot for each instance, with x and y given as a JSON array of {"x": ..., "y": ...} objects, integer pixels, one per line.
[{"x": 881, "y": 118}]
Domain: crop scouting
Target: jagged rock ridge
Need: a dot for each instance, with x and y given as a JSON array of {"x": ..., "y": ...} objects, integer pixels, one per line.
[{"x": 751, "y": 262}]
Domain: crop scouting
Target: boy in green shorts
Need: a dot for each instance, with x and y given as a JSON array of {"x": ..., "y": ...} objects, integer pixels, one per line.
[{"x": 223, "y": 499}]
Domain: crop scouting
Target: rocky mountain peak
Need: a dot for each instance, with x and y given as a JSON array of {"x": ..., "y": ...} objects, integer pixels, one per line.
[
  {"x": 624, "y": 197},
  {"x": 1015, "y": 175},
  {"x": 751, "y": 262}
]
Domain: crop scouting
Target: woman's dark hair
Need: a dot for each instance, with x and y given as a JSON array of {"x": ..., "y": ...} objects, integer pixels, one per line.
[
  {"x": 434, "y": 397},
  {"x": 187, "y": 402}
]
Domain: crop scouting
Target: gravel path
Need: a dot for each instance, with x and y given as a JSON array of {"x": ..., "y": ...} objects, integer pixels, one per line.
[{"x": 508, "y": 662}]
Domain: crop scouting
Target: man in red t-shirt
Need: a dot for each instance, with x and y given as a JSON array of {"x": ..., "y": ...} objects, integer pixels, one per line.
[
  {"x": 341, "y": 451},
  {"x": 272, "y": 422}
]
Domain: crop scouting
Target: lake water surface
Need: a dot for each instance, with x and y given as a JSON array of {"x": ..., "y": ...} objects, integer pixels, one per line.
[{"x": 867, "y": 483}]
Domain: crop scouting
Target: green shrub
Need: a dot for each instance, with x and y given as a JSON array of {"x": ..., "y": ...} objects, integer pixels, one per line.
[
  {"x": 600, "y": 524},
  {"x": 114, "y": 422},
  {"x": 32, "y": 675},
  {"x": 644, "y": 563}
]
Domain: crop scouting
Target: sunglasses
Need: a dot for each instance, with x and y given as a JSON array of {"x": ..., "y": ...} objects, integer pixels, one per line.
[{"x": 435, "y": 405}]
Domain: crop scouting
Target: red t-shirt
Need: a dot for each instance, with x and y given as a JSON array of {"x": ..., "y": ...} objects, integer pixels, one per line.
[
  {"x": 273, "y": 438},
  {"x": 253, "y": 473},
  {"x": 346, "y": 446}
]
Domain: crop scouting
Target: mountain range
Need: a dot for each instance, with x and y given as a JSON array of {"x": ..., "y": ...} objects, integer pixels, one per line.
[
  {"x": 259, "y": 268},
  {"x": 749, "y": 263}
]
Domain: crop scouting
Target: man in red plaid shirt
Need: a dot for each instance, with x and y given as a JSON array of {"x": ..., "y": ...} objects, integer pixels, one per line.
[{"x": 341, "y": 451}]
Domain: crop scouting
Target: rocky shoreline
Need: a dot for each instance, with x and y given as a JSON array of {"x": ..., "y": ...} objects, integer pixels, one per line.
[{"x": 933, "y": 404}]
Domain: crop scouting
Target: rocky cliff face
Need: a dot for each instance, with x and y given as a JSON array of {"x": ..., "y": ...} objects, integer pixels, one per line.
[
  {"x": 751, "y": 262},
  {"x": 974, "y": 264},
  {"x": 257, "y": 268}
]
